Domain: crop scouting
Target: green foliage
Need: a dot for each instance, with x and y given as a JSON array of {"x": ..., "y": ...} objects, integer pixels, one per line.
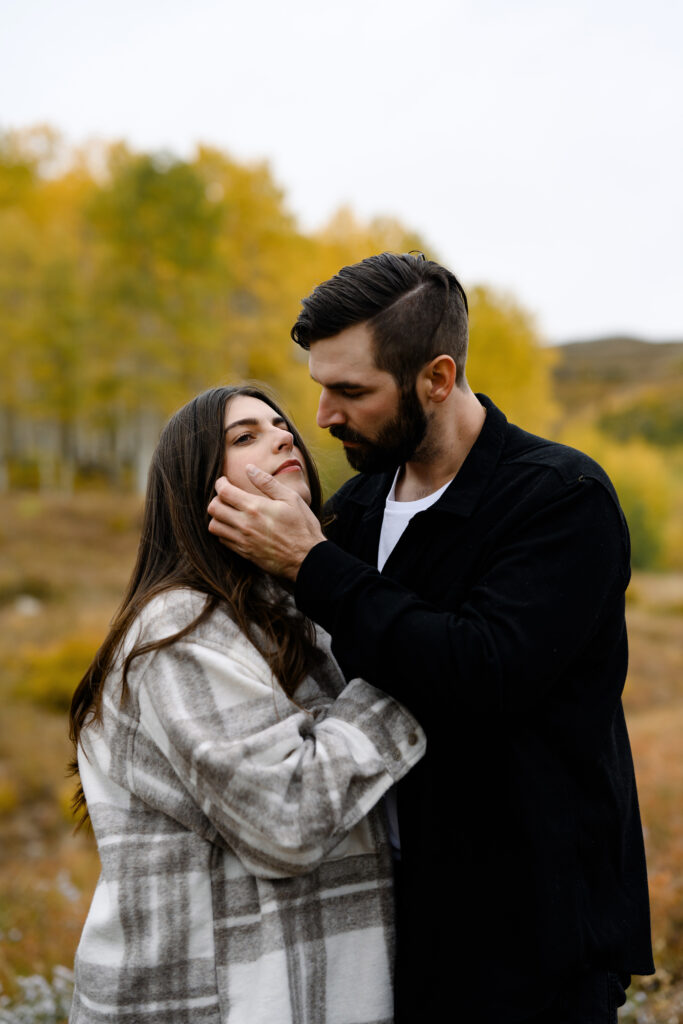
[
  {"x": 24, "y": 586},
  {"x": 656, "y": 418}
]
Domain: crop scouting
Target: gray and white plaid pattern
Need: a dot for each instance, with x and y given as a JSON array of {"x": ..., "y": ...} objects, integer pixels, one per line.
[{"x": 245, "y": 876}]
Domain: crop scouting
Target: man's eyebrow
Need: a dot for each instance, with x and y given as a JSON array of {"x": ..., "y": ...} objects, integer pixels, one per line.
[
  {"x": 251, "y": 421},
  {"x": 340, "y": 385}
]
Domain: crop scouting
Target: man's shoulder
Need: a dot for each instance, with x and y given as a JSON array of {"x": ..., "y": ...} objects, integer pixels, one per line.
[{"x": 566, "y": 463}]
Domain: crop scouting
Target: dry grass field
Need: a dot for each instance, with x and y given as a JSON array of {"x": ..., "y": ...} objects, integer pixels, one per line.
[{"x": 63, "y": 565}]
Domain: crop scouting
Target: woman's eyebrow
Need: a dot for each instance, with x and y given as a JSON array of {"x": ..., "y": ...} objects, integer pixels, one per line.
[
  {"x": 250, "y": 421},
  {"x": 247, "y": 422}
]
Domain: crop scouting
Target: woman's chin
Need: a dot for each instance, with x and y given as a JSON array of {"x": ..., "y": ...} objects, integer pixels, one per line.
[{"x": 299, "y": 486}]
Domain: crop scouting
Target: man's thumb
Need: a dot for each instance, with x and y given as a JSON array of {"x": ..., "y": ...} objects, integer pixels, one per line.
[{"x": 267, "y": 483}]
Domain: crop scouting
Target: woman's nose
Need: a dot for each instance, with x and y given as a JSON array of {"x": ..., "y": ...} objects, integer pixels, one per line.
[{"x": 283, "y": 439}]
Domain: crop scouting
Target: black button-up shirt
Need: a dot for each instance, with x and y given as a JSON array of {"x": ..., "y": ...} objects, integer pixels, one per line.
[{"x": 498, "y": 620}]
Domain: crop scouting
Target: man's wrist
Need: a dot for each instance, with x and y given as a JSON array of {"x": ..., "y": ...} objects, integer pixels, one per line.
[{"x": 296, "y": 568}]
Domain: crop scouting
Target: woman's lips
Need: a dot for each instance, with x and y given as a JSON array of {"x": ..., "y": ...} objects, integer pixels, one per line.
[{"x": 288, "y": 467}]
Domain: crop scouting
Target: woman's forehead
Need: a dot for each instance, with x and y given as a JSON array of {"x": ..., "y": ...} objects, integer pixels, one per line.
[{"x": 242, "y": 406}]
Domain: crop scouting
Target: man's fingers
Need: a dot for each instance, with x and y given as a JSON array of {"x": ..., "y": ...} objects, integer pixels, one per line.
[
  {"x": 230, "y": 503},
  {"x": 222, "y": 512},
  {"x": 232, "y": 539},
  {"x": 219, "y": 527},
  {"x": 268, "y": 484},
  {"x": 231, "y": 495}
]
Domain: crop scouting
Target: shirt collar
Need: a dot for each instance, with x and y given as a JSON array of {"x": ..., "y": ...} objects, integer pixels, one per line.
[
  {"x": 463, "y": 495},
  {"x": 464, "y": 492}
]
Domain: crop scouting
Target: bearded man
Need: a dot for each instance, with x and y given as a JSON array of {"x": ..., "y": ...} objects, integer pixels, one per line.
[{"x": 477, "y": 574}]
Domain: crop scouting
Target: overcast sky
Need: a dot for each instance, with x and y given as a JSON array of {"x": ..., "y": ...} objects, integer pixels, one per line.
[{"x": 536, "y": 146}]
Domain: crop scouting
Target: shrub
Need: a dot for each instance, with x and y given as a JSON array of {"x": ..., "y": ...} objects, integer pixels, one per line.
[
  {"x": 49, "y": 677},
  {"x": 9, "y": 796},
  {"x": 43, "y": 1002}
]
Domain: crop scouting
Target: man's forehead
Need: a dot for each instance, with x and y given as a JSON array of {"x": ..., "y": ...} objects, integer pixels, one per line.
[{"x": 346, "y": 357}]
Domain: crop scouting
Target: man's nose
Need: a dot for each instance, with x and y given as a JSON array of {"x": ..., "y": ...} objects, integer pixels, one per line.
[{"x": 329, "y": 413}]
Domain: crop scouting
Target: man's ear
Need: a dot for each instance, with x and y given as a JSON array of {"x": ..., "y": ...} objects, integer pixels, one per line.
[{"x": 437, "y": 378}]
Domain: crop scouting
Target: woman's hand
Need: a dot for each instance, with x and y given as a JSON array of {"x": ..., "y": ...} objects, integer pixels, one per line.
[{"x": 275, "y": 531}]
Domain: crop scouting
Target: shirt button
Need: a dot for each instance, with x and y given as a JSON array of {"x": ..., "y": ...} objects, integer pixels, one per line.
[{"x": 412, "y": 739}]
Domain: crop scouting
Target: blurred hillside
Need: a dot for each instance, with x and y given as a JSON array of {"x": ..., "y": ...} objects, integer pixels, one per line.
[
  {"x": 632, "y": 388},
  {"x": 621, "y": 400}
]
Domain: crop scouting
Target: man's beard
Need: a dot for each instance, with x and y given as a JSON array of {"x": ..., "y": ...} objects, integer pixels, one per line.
[{"x": 396, "y": 442}]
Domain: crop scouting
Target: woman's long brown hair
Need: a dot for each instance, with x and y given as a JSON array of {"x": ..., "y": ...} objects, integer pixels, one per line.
[{"x": 177, "y": 550}]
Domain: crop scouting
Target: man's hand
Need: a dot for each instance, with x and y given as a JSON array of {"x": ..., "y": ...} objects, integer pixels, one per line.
[{"x": 275, "y": 531}]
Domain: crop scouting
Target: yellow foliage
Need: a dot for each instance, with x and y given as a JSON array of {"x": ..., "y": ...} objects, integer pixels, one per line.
[
  {"x": 507, "y": 360},
  {"x": 647, "y": 489},
  {"x": 49, "y": 677},
  {"x": 65, "y": 795},
  {"x": 131, "y": 281},
  {"x": 9, "y": 796}
]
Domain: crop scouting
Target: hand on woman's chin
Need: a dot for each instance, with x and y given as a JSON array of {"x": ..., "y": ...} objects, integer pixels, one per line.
[
  {"x": 294, "y": 481},
  {"x": 299, "y": 486}
]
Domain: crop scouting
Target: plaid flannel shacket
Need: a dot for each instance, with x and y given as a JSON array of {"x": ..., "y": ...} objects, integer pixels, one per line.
[{"x": 245, "y": 875}]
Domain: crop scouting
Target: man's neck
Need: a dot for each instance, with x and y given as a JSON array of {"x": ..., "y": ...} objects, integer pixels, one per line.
[{"x": 450, "y": 437}]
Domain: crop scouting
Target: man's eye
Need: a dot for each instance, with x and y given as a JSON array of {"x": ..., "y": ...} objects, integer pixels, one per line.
[{"x": 353, "y": 394}]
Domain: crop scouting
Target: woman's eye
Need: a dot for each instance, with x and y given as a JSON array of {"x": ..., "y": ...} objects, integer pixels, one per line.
[{"x": 242, "y": 438}]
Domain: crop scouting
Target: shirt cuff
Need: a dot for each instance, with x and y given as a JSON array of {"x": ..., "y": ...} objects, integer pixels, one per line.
[
  {"x": 324, "y": 575},
  {"x": 394, "y": 732}
]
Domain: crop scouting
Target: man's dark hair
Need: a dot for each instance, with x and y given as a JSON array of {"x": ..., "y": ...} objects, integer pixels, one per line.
[{"x": 415, "y": 308}]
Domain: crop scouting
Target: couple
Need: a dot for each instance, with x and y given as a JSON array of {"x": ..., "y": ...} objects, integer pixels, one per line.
[{"x": 475, "y": 575}]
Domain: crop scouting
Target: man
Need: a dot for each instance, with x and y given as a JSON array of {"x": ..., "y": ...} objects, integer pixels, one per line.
[{"x": 477, "y": 574}]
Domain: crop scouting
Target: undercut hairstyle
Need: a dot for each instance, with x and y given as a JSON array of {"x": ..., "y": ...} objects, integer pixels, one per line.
[
  {"x": 177, "y": 550},
  {"x": 415, "y": 309}
]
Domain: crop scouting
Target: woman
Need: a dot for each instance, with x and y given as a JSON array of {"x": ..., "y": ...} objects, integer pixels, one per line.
[{"x": 230, "y": 775}]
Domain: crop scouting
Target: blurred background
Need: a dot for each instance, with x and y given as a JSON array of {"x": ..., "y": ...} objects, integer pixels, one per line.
[{"x": 174, "y": 179}]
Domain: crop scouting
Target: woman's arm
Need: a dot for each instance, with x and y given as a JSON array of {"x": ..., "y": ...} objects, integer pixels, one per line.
[{"x": 280, "y": 793}]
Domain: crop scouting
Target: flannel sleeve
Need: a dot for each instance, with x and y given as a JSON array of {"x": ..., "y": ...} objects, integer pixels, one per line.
[{"x": 281, "y": 787}]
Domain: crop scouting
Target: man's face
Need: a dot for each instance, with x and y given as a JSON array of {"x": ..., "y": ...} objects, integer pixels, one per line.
[{"x": 379, "y": 425}]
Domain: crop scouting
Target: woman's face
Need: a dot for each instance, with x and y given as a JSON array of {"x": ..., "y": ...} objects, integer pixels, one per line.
[{"x": 256, "y": 433}]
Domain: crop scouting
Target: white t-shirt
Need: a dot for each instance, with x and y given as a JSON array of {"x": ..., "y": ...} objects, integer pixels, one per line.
[{"x": 397, "y": 515}]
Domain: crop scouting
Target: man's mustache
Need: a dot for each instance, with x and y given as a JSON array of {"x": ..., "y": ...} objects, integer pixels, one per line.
[{"x": 343, "y": 433}]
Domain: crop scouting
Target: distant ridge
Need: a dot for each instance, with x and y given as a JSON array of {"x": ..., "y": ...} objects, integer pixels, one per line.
[
  {"x": 620, "y": 358},
  {"x": 618, "y": 368}
]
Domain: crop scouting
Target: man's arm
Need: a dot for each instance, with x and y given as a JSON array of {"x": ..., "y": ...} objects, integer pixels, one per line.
[
  {"x": 544, "y": 593},
  {"x": 535, "y": 605}
]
